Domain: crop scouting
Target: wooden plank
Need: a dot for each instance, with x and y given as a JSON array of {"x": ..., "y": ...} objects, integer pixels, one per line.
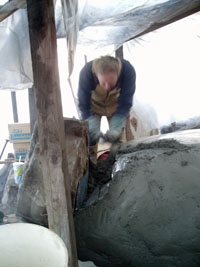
[
  {"x": 32, "y": 108},
  {"x": 14, "y": 106},
  {"x": 128, "y": 134},
  {"x": 156, "y": 26},
  {"x": 7, "y": 162},
  {"x": 10, "y": 7},
  {"x": 6, "y": 141},
  {"x": 119, "y": 52},
  {"x": 50, "y": 123},
  {"x": 77, "y": 140}
]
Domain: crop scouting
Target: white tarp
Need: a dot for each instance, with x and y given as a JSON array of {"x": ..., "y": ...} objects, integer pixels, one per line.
[
  {"x": 100, "y": 24},
  {"x": 15, "y": 63},
  {"x": 167, "y": 61}
]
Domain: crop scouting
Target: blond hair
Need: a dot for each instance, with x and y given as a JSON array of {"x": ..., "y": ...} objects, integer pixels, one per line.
[{"x": 106, "y": 64}]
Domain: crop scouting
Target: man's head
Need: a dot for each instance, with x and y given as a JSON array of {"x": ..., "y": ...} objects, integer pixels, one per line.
[{"x": 107, "y": 70}]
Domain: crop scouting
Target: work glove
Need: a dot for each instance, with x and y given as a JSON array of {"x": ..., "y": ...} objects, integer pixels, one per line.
[
  {"x": 94, "y": 129},
  {"x": 116, "y": 126},
  {"x": 112, "y": 136}
]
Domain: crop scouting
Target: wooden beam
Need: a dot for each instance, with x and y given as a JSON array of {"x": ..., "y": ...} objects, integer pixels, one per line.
[
  {"x": 10, "y": 7},
  {"x": 51, "y": 123},
  {"x": 6, "y": 162},
  {"x": 3, "y": 148},
  {"x": 156, "y": 26},
  {"x": 14, "y": 107},
  {"x": 119, "y": 52},
  {"x": 32, "y": 108}
]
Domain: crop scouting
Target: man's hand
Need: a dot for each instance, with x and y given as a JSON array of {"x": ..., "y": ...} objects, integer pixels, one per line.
[
  {"x": 94, "y": 129},
  {"x": 112, "y": 136},
  {"x": 117, "y": 122},
  {"x": 116, "y": 126}
]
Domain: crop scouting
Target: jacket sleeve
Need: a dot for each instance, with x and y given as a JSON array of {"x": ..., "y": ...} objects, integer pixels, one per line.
[
  {"x": 127, "y": 84},
  {"x": 86, "y": 83}
]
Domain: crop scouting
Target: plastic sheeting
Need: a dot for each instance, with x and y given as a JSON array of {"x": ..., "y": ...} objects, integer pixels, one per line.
[
  {"x": 121, "y": 163},
  {"x": 114, "y": 22},
  {"x": 15, "y": 63},
  {"x": 100, "y": 23},
  {"x": 167, "y": 64},
  {"x": 106, "y": 26},
  {"x": 70, "y": 15}
]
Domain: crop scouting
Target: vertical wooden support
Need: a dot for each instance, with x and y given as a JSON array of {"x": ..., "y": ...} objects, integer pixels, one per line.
[
  {"x": 129, "y": 135},
  {"x": 119, "y": 52},
  {"x": 32, "y": 107},
  {"x": 51, "y": 123},
  {"x": 85, "y": 59},
  {"x": 14, "y": 106}
]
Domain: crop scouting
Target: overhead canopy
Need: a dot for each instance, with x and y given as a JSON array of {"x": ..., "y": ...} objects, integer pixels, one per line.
[
  {"x": 96, "y": 23},
  {"x": 103, "y": 23}
]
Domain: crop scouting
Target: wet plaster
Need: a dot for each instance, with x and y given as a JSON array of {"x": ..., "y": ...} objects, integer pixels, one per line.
[{"x": 150, "y": 215}]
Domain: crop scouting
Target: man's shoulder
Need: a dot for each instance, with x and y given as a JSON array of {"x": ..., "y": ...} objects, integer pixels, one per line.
[
  {"x": 127, "y": 66},
  {"x": 86, "y": 73},
  {"x": 125, "y": 62},
  {"x": 87, "y": 67}
]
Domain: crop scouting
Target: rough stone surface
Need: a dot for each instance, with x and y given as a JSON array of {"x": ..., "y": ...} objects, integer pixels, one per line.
[
  {"x": 4, "y": 172},
  {"x": 31, "y": 197},
  {"x": 9, "y": 198},
  {"x": 150, "y": 215}
]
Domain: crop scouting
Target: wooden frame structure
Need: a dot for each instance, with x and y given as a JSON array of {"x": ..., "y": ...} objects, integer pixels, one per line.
[
  {"x": 49, "y": 114},
  {"x": 50, "y": 123},
  {"x": 50, "y": 119}
]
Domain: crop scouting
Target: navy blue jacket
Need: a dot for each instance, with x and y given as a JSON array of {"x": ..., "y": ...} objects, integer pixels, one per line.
[{"x": 88, "y": 82}]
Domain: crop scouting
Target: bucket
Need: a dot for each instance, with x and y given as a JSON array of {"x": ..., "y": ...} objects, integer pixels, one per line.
[
  {"x": 30, "y": 245},
  {"x": 18, "y": 171}
]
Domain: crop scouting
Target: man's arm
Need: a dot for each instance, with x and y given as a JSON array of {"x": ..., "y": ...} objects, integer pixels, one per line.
[
  {"x": 84, "y": 90},
  {"x": 127, "y": 84},
  {"x": 125, "y": 100}
]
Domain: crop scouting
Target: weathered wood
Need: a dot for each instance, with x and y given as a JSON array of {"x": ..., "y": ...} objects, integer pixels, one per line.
[
  {"x": 31, "y": 202},
  {"x": 119, "y": 52},
  {"x": 50, "y": 122},
  {"x": 129, "y": 135},
  {"x": 14, "y": 106},
  {"x": 32, "y": 107},
  {"x": 6, "y": 162},
  {"x": 157, "y": 26},
  {"x": 4, "y": 148},
  {"x": 10, "y": 7},
  {"x": 77, "y": 140}
]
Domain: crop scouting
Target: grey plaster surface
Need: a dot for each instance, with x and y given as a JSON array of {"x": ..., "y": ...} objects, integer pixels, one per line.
[{"x": 150, "y": 216}]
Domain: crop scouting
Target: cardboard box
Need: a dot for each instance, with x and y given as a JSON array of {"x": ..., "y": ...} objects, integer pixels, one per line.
[
  {"x": 19, "y": 132},
  {"x": 21, "y": 150}
]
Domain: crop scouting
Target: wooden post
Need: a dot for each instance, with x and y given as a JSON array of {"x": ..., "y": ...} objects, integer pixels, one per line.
[
  {"x": 32, "y": 107},
  {"x": 51, "y": 123},
  {"x": 128, "y": 134},
  {"x": 119, "y": 52},
  {"x": 14, "y": 106}
]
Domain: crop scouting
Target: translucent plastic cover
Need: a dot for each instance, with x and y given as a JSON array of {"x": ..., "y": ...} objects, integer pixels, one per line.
[{"x": 89, "y": 22}]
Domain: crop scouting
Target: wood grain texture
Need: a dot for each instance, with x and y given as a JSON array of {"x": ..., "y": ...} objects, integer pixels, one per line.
[{"x": 50, "y": 123}]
